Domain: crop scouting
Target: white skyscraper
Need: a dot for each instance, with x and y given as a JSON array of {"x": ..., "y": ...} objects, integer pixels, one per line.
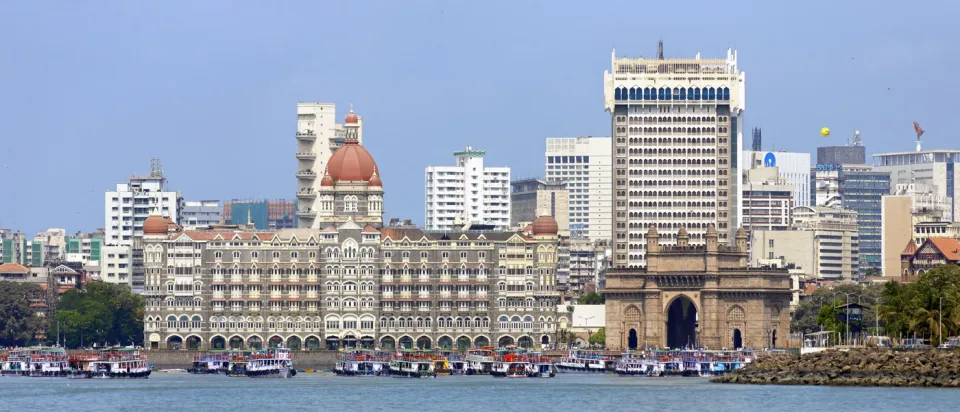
[
  {"x": 318, "y": 136},
  {"x": 583, "y": 163},
  {"x": 794, "y": 169},
  {"x": 467, "y": 193},
  {"x": 127, "y": 207},
  {"x": 677, "y": 134}
]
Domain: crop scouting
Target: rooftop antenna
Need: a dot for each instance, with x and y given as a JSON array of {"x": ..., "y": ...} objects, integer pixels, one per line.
[
  {"x": 156, "y": 169},
  {"x": 919, "y": 131},
  {"x": 660, "y": 50},
  {"x": 856, "y": 138}
]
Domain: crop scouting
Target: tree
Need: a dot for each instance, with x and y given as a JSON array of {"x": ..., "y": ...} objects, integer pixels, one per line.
[
  {"x": 19, "y": 323},
  {"x": 591, "y": 298},
  {"x": 599, "y": 338},
  {"x": 806, "y": 316},
  {"x": 927, "y": 308},
  {"x": 104, "y": 314}
]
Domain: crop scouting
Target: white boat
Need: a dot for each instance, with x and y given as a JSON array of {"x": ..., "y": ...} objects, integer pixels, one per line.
[
  {"x": 49, "y": 362},
  {"x": 579, "y": 362},
  {"x": 270, "y": 363},
  {"x": 118, "y": 363},
  {"x": 479, "y": 361},
  {"x": 361, "y": 363},
  {"x": 412, "y": 366}
]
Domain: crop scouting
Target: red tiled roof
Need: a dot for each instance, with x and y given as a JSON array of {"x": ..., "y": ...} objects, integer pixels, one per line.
[
  {"x": 949, "y": 247},
  {"x": 910, "y": 249},
  {"x": 14, "y": 268},
  {"x": 370, "y": 229}
]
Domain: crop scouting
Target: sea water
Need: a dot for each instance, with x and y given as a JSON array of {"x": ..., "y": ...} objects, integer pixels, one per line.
[{"x": 566, "y": 392}]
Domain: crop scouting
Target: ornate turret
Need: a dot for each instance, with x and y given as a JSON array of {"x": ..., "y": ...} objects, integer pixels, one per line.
[
  {"x": 741, "y": 240},
  {"x": 683, "y": 238},
  {"x": 653, "y": 240},
  {"x": 711, "y": 237}
]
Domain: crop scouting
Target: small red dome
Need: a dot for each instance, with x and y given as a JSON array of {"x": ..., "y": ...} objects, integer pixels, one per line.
[
  {"x": 327, "y": 180},
  {"x": 352, "y": 163},
  {"x": 545, "y": 225},
  {"x": 375, "y": 180},
  {"x": 155, "y": 225},
  {"x": 351, "y": 117}
]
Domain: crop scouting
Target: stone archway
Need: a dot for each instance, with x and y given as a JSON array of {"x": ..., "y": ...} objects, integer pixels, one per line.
[
  {"x": 445, "y": 342},
  {"x": 236, "y": 342},
  {"x": 293, "y": 342},
  {"x": 525, "y": 342},
  {"x": 682, "y": 323},
  {"x": 194, "y": 342},
  {"x": 218, "y": 342},
  {"x": 737, "y": 339},
  {"x": 174, "y": 342},
  {"x": 632, "y": 339},
  {"x": 463, "y": 343},
  {"x": 424, "y": 342}
]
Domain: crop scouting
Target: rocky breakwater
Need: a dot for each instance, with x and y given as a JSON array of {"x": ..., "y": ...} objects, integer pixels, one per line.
[{"x": 862, "y": 367}]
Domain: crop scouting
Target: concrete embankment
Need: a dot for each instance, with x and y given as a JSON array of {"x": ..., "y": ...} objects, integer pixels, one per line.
[{"x": 859, "y": 367}]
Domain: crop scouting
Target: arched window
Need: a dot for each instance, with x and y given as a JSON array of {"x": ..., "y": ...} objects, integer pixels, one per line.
[
  {"x": 726, "y": 93},
  {"x": 646, "y": 93},
  {"x": 504, "y": 322},
  {"x": 696, "y": 94},
  {"x": 713, "y": 94},
  {"x": 171, "y": 321},
  {"x": 660, "y": 93},
  {"x": 667, "y": 95},
  {"x": 616, "y": 94},
  {"x": 683, "y": 93},
  {"x": 350, "y": 203},
  {"x": 633, "y": 94}
]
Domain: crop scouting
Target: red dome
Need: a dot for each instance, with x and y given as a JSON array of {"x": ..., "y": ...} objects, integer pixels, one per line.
[
  {"x": 155, "y": 225},
  {"x": 351, "y": 118},
  {"x": 327, "y": 180},
  {"x": 352, "y": 163},
  {"x": 545, "y": 225},
  {"x": 375, "y": 180}
]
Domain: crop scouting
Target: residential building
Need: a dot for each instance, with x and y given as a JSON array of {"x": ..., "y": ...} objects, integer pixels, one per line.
[
  {"x": 794, "y": 169},
  {"x": 677, "y": 135},
  {"x": 117, "y": 265},
  {"x": 84, "y": 247},
  {"x": 822, "y": 242},
  {"x": 200, "y": 213},
  {"x": 584, "y": 164},
  {"x": 318, "y": 137},
  {"x": 265, "y": 214},
  {"x": 129, "y": 205},
  {"x": 935, "y": 169},
  {"x": 532, "y": 198},
  {"x": 11, "y": 246},
  {"x": 588, "y": 263},
  {"x": 467, "y": 193},
  {"x": 767, "y": 200},
  {"x": 49, "y": 245},
  {"x": 697, "y": 296}
]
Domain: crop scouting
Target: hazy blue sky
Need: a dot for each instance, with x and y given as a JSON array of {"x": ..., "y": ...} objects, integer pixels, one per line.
[{"x": 90, "y": 91}]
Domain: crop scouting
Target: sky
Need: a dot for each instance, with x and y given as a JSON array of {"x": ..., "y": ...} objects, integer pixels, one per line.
[{"x": 91, "y": 91}]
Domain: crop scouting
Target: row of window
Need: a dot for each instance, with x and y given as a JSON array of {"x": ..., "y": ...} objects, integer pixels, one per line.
[{"x": 665, "y": 93}]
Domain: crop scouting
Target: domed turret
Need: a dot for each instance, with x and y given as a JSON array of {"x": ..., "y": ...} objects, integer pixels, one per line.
[
  {"x": 155, "y": 225},
  {"x": 545, "y": 225}
]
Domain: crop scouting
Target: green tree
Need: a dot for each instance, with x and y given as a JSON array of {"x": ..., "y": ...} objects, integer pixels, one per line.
[
  {"x": 591, "y": 298},
  {"x": 19, "y": 323},
  {"x": 919, "y": 309},
  {"x": 806, "y": 316},
  {"x": 599, "y": 338},
  {"x": 103, "y": 314},
  {"x": 564, "y": 336}
]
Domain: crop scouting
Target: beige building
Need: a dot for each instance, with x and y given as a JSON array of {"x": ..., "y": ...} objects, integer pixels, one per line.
[
  {"x": 823, "y": 242},
  {"x": 692, "y": 295},
  {"x": 929, "y": 218},
  {"x": 532, "y": 198},
  {"x": 767, "y": 200}
]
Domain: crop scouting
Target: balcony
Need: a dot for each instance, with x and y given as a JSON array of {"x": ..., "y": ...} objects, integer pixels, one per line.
[
  {"x": 306, "y": 213},
  {"x": 306, "y": 174},
  {"x": 306, "y": 194},
  {"x": 306, "y": 155},
  {"x": 306, "y": 136}
]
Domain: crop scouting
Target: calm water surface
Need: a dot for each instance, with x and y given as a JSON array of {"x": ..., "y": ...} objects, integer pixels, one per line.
[{"x": 580, "y": 393}]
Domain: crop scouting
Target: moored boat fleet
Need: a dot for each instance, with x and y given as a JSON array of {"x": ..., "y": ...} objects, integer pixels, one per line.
[{"x": 42, "y": 361}]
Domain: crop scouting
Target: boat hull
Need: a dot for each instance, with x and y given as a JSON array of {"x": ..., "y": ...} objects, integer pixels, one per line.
[{"x": 272, "y": 373}]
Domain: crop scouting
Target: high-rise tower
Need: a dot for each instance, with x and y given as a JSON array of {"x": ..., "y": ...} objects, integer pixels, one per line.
[{"x": 677, "y": 136}]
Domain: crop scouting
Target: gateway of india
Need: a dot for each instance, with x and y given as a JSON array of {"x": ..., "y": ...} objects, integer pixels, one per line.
[{"x": 697, "y": 296}]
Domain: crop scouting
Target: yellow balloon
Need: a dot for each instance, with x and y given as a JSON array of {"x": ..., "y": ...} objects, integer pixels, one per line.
[{"x": 825, "y": 131}]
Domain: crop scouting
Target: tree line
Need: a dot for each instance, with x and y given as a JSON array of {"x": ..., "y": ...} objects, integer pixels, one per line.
[{"x": 103, "y": 314}]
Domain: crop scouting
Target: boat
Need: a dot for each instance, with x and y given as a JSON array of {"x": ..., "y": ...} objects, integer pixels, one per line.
[
  {"x": 17, "y": 361},
  {"x": 479, "y": 360},
  {"x": 270, "y": 363},
  {"x": 412, "y": 364},
  {"x": 114, "y": 363},
  {"x": 543, "y": 365},
  {"x": 49, "y": 362},
  {"x": 512, "y": 364},
  {"x": 578, "y": 361},
  {"x": 210, "y": 363},
  {"x": 237, "y": 366},
  {"x": 458, "y": 363},
  {"x": 361, "y": 363},
  {"x": 631, "y": 365}
]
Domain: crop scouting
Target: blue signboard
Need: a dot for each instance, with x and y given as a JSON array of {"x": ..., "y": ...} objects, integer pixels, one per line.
[
  {"x": 769, "y": 160},
  {"x": 829, "y": 167}
]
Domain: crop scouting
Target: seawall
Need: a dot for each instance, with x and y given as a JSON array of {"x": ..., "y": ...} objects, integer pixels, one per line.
[{"x": 856, "y": 367}]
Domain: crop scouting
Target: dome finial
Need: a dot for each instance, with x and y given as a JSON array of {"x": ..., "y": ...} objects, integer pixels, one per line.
[{"x": 351, "y": 119}]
